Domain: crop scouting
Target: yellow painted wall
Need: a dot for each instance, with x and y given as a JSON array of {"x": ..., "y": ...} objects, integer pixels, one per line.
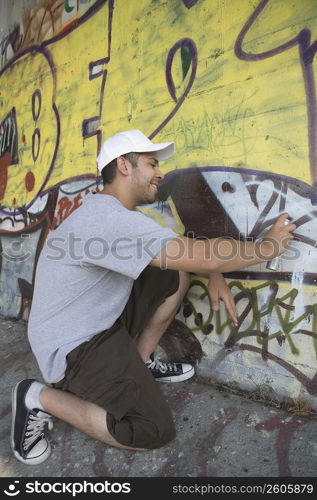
[
  {"x": 250, "y": 114},
  {"x": 232, "y": 82}
]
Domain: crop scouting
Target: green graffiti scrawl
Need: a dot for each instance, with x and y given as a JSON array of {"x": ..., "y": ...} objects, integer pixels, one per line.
[
  {"x": 282, "y": 307},
  {"x": 67, "y": 7}
]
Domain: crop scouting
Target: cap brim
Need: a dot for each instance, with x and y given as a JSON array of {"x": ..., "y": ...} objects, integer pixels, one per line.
[{"x": 162, "y": 151}]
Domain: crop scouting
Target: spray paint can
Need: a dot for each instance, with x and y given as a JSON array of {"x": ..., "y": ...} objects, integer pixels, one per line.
[{"x": 274, "y": 264}]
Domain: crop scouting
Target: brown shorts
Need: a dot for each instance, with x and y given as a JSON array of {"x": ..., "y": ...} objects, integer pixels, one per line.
[{"x": 108, "y": 370}]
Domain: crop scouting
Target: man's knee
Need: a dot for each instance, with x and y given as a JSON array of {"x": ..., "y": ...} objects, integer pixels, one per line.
[
  {"x": 138, "y": 432},
  {"x": 165, "y": 434}
]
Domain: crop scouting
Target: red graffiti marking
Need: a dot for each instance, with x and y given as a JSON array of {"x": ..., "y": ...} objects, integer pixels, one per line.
[
  {"x": 29, "y": 181},
  {"x": 286, "y": 427},
  {"x": 101, "y": 469},
  {"x": 224, "y": 417},
  {"x": 5, "y": 161},
  {"x": 69, "y": 26},
  {"x": 65, "y": 207}
]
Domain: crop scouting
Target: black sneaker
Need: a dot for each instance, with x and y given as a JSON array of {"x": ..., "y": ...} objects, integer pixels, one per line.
[
  {"x": 169, "y": 372},
  {"x": 28, "y": 441}
]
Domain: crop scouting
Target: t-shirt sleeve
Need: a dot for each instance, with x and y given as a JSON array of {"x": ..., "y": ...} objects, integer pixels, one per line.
[{"x": 127, "y": 243}]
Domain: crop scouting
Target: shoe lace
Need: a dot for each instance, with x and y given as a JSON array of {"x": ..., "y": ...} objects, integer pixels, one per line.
[
  {"x": 157, "y": 364},
  {"x": 35, "y": 428}
]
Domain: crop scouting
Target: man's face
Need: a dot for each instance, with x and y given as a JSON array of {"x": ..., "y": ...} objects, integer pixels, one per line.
[{"x": 146, "y": 178}]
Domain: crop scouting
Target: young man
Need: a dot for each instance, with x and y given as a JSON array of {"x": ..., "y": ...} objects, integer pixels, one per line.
[{"x": 109, "y": 281}]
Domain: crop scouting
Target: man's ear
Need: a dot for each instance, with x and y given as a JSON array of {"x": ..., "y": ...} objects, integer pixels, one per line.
[{"x": 122, "y": 165}]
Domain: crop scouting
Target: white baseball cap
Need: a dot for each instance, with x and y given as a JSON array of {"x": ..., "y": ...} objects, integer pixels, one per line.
[{"x": 132, "y": 141}]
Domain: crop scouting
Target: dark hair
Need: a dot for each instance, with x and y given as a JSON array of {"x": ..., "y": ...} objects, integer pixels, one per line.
[{"x": 109, "y": 171}]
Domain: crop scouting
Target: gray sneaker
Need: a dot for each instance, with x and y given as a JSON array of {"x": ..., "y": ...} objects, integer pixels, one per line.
[{"x": 28, "y": 440}]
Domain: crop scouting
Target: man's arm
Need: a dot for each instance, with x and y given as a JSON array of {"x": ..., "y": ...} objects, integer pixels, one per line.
[{"x": 218, "y": 255}]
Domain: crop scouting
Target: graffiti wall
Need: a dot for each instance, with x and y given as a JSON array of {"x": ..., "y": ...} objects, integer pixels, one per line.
[{"x": 234, "y": 85}]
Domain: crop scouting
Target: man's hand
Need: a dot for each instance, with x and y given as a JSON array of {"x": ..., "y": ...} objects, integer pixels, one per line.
[
  {"x": 219, "y": 290},
  {"x": 278, "y": 238}
]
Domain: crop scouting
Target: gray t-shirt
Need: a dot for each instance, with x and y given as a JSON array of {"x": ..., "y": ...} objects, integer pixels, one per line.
[{"x": 85, "y": 274}]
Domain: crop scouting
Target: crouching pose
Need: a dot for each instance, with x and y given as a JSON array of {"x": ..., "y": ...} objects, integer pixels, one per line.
[{"x": 109, "y": 281}]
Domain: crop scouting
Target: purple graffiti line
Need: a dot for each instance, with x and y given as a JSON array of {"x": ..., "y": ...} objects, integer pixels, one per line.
[
  {"x": 309, "y": 384},
  {"x": 96, "y": 70},
  {"x": 286, "y": 429},
  {"x": 187, "y": 45},
  {"x": 307, "y": 51},
  {"x": 14, "y": 39},
  {"x": 306, "y": 332},
  {"x": 89, "y": 125},
  {"x": 189, "y": 3}
]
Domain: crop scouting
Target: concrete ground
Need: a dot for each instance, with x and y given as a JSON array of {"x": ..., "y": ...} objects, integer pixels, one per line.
[{"x": 219, "y": 434}]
